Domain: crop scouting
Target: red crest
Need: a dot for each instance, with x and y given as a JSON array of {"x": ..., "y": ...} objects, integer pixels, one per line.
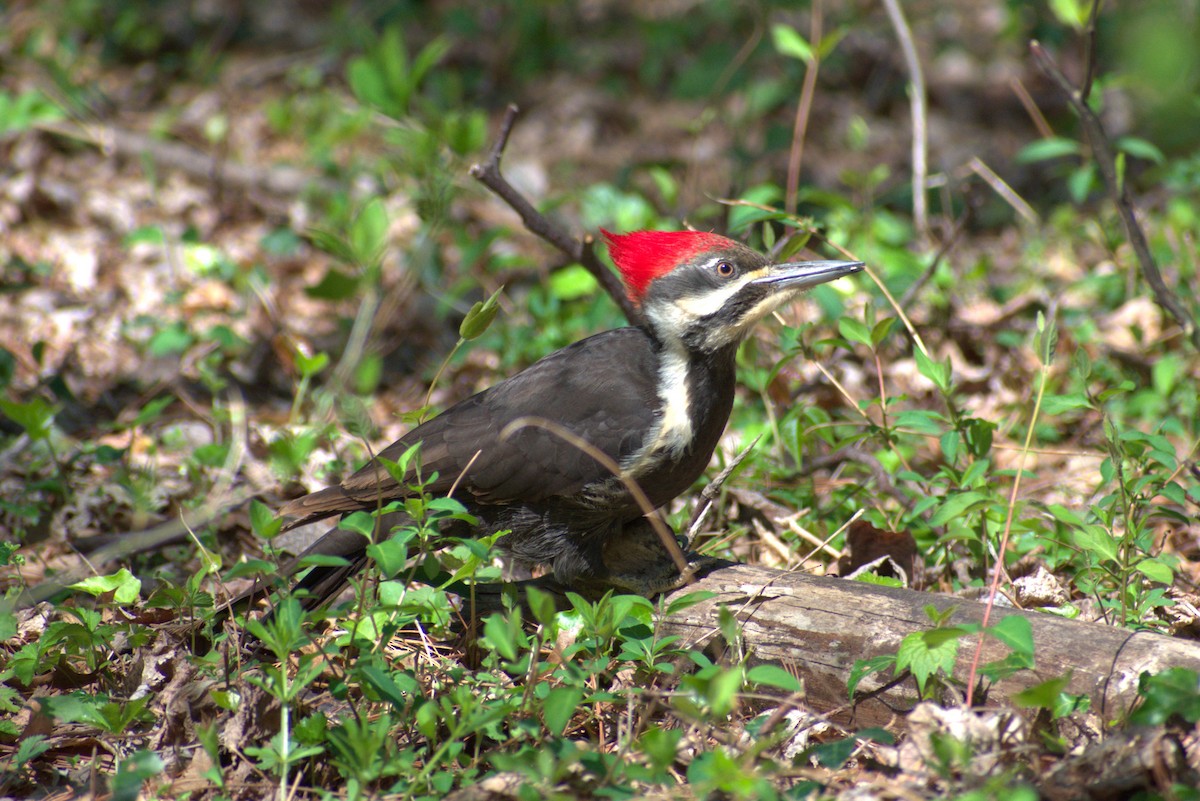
[{"x": 642, "y": 256}]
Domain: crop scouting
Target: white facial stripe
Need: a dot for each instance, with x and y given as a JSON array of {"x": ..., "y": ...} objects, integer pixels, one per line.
[{"x": 708, "y": 303}]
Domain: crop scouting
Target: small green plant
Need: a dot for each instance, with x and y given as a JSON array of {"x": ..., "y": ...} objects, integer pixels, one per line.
[
  {"x": 284, "y": 635},
  {"x": 1173, "y": 694},
  {"x": 930, "y": 655},
  {"x": 19, "y": 113}
]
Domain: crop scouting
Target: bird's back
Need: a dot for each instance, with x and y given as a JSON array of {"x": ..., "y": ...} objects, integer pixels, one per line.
[{"x": 601, "y": 389}]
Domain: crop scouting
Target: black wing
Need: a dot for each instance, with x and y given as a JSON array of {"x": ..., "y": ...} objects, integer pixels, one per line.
[{"x": 603, "y": 389}]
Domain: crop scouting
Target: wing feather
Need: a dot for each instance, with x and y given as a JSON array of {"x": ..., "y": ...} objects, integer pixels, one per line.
[{"x": 603, "y": 389}]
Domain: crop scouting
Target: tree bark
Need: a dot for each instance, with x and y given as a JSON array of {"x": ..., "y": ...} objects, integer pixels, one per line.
[{"x": 818, "y": 627}]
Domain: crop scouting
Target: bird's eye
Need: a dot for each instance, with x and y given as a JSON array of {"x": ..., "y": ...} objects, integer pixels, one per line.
[{"x": 725, "y": 269}]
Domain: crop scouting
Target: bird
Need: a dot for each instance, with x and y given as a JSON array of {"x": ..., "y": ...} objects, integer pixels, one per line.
[{"x": 652, "y": 398}]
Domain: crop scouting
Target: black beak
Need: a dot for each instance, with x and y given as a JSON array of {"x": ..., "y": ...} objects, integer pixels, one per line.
[{"x": 805, "y": 274}]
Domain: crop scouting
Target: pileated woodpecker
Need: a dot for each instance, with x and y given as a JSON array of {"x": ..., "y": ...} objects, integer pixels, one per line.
[{"x": 653, "y": 398}]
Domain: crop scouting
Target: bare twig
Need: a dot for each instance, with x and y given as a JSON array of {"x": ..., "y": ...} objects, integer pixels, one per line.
[
  {"x": 1102, "y": 152},
  {"x": 1089, "y": 52},
  {"x": 803, "y": 108},
  {"x": 946, "y": 247},
  {"x": 1031, "y": 108},
  {"x": 636, "y": 492},
  {"x": 714, "y": 487},
  {"x": 916, "y": 100},
  {"x": 1001, "y": 188},
  {"x": 488, "y": 174}
]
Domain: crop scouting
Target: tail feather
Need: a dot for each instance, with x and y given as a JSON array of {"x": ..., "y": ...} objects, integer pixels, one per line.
[
  {"x": 321, "y": 583},
  {"x": 318, "y": 506}
]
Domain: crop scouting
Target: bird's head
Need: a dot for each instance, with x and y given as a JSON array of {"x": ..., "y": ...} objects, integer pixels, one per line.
[{"x": 706, "y": 291}]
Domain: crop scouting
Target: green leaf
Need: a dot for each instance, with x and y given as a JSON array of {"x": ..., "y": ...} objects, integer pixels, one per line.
[
  {"x": 560, "y": 706},
  {"x": 855, "y": 331},
  {"x": 386, "y": 686},
  {"x": 1081, "y": 364},
  {"x": 332, "y": 243},
  {"x": 152, "y": 411},
  {"x": 788, "y": 42},
  {"x": 979, "y": 436},
  {"x": 1016, "y": 632},
  {"x": 1174, "y": 691},
  {"x": 775, "y": 676},
  {"x": 1044, "y": 695},
  {"x": 8, "y": 367},
  {"x": 863, "y": 668},
  {"x": 833, "y": 753},
  {"x": 427, "y": 59},
  {"x": 1140, "y": 148},
  {"x": 74, "y": 708},
  {"x": 1174, "y": 493},
  {"x": 1155, "y": 570},
  {"x": 368, "y": 234},
  {"x": 1164, "y": 458},
  {"x": 359, "y": 522},
  {"x": 831, "y": 40},
  {"x": 263, "y": 522},
  {"x": 957, "y": 505},
  {"x": 366, "y": 82},
  {"x": 723, "y": 691},
  {"x": 124, "y": 586},
  {"x": 881, "y": 330},
  {"x": 334, "y": 285},
  {"x": 879, "y": 581},
  {"x": 684, "y": 602},
  {"x": 1050, "y": 148},
  {"x": 308, "y": 366},
  {"x": 937, "y": 372},
  {"x": 1096, "y": 541},
  {"x": 1081, "y": 181},
  {"x": 921, "y": 421},
  {"x": 391, "y": 555},
  {"x": 1057, "y": 404},
  {"x": 949, "y": 443},
  {"x": 172, "y": 340},
  {"x": 30, "y": 748},
  {"x": 504, "y": 635},
  {"x": 974, "y": 474},
  {"x": 1045, "y": 339},
  {"x": 35, "y": 416},
  {"x": 1073, "y": 13},
  {"x": 480, "y": 317},
  {"x": 1064, "y": 514},
  {"x": 661, "y": 746},
  {"x": 541, "y": 605},
  {"x": 925, "y": 655},
  {"x": 666, "y": 185},
  {"x": 573, "y": 282}
]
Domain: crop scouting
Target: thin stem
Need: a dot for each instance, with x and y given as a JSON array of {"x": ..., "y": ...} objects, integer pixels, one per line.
[
  {"x": 916, "y": 101},
  {"x": 803, "y": 109},
  {"x": 998, "y": 570}
]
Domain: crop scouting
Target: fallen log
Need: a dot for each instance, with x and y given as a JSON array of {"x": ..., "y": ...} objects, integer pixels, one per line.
[{"x": 818, "y": 627}]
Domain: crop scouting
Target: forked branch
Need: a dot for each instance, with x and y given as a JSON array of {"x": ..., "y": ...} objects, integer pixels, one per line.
[{"x": 579, "y": 250}]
